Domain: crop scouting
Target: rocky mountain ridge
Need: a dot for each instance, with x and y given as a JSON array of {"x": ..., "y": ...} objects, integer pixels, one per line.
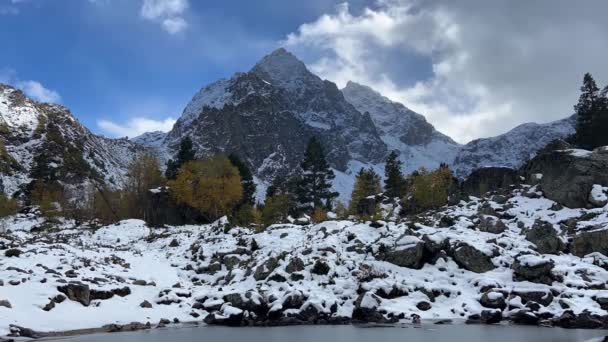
[
  {"x": 31, "y": 130},
  {"x": 266, "y": 116}
]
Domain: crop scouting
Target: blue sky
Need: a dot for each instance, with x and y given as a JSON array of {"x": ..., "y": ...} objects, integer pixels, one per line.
[
  {"x": 473, "y": 68},
  {"x": 107, "y": 61}
]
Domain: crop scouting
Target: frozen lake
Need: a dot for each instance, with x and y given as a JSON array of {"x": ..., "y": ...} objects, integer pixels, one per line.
[{"x": 347, "y": 333}]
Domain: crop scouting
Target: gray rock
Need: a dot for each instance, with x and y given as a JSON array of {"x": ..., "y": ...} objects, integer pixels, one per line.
[
  {"x": 77, "y": 292},
  {"x": 486, "y": 179},
  {"x": 493, "y": 300},
  {"x": 491, "y": 316},
  {"x": 585, "y": 243},
  {"x": 410, "y": 256},
  {"x": 535, "y": 272},
  {"x": 491, "y": 224},
  {"x": 13, "y": 252},
  {"x": 5, "y": 303},
  {"x": 544, "y": 236},
  {"x": 472, "y": 259},
  {"x": 264, "y": 270},
  {"x": 145, "y": 304},
  {"x": 295, "y": 265},
  {"x": 569, "y": 177}
]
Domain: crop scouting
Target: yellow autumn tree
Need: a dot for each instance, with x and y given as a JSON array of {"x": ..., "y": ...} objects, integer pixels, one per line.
[
  {"x": 431, "y": 189},
  {"x": 143, "y": 175},
  {"x": 213, "y": 186}
]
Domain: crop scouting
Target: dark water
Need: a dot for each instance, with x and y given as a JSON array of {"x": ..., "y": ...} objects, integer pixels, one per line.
[{"x": 430, "y": 333}]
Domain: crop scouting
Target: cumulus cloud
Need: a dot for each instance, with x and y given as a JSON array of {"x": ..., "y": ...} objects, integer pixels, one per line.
[
  {"x": 169, "y": 13},
  {"x": 493, "y": 65},
  {"x": 135, "y": 126},
  {"x": 33, "y": 89}
]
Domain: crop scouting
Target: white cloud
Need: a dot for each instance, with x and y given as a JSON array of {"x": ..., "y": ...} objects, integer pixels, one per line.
[
  {"x": 135, "y": 126},
  {"x": 38, "y": 92},
  {"x": 494, "y": 64},
  {"x": 33, "y": 89},
  {"x": 169, "y": 13}
]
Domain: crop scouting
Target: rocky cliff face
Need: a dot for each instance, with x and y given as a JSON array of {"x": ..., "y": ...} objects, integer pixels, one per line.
[
  {"x": 268, "y": 114},
  {"x": 29, "y": 129},
  {"x": 401, "y": 129}
]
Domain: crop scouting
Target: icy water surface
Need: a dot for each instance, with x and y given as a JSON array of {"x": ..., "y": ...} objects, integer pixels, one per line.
[{"x": 427, "y": 333}]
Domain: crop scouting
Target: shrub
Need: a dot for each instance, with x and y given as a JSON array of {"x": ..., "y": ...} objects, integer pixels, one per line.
[
  {"x": 319, "y": 215},
  {"x": 8, "y": 206}
]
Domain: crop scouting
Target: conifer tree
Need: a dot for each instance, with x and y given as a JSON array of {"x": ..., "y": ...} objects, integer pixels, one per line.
[
  {"x": 367, "y": 183},
  {"x": 249, "y": 186},
  {"x": 185, "y": 154},
  {"x": 315, "y": 185},
  {"x": 587, "y": 109},
  {"x": 394, "y": 182}
]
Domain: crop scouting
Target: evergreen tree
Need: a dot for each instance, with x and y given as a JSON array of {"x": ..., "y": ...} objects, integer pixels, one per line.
[
  {"x": 588, "y": 108},
  {"x": 367, "y": 183},
  {"x": 601, "y": 126},
  {"x": 185, "y": 154},
  {"x": 249, "y": 186},
  {"x": 315, "y": 185},
  {"x": 143, "y": 174},
  {"x": 394, "y": 183}
]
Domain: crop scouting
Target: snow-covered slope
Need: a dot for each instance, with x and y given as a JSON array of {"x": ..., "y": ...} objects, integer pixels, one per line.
[
  {"x": 29, "y": 129},
  {"x": 485, "y": 260},
  {"x": 511, "y": 149}
]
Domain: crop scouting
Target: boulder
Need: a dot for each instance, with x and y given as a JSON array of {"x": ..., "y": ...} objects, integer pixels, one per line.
[
  {"x": 533, "y": 268},
  {"x": 490, "y": 316},
  {"x": 569, "y": 175},
  {"x": 493, "y": 300},
  {"x": 423, "y": 306},
  {"x": 584, "y": 320},
  {"x": 598, "y": 197},
  {"x": 13, "y": 252},
  {"x": 5, "y": 303},
  {"x": 77, "y": 292},
  {"x": 264, "y": 270},
  {"x": 145, "y": 304},
  {"x": 589, "y": 242},
  {"x": 228, "y": 315},
  {"x": 472, "y": 259},
  {"x": 410, "y": 256},
  {"x": 544, "y": 236},
  {"x": 525, "y": 317},
  {"x": 295, "y": 265},
  {"x": 544, "y": 298},
  {"x": 366, "y": 309},
  {"x": 491, "y": 224},
  {"x": 320, "y": 267},
  {"x": 486, "y": 179}
]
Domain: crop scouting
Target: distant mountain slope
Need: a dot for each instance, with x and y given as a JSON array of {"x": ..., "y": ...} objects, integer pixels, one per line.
[
  {"x": 511, "y": 149},
  {"x": 29, "y": 129},
  {"x": 403, "y": 130}
]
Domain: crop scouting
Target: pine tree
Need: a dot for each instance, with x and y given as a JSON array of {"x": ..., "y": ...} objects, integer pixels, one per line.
[
  {"x": 315, "y": 185},
  {"x": 601, "y": 125},
  {"x": 394, "y": 183},
  {"x": 249, "y": 186},
  {"x": 367, "y": 183},
  {"x": 185, "y": 154},
  {"x": 587, "y": 109}
]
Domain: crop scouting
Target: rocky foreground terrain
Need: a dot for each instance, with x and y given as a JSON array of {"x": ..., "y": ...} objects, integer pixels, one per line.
[{"x": 512, "y": 254}]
